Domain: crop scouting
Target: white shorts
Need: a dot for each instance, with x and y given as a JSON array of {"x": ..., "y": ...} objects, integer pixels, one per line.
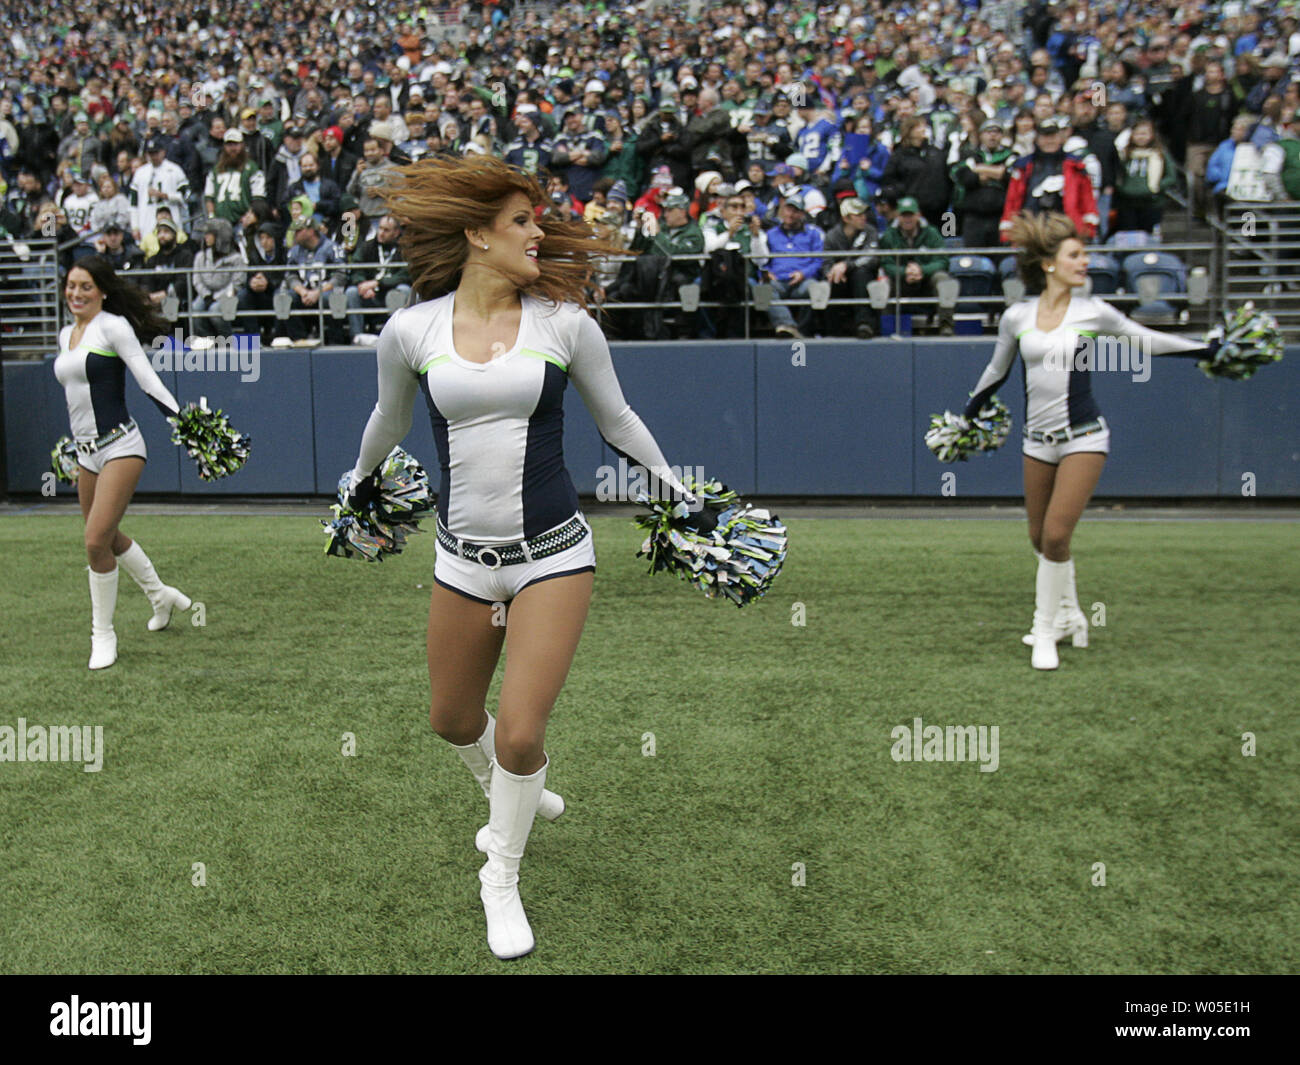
[
  {"x": 475, "y": 581},
  {"x": 1098, "y": 440},
  {"x": 129, "y": 446}
]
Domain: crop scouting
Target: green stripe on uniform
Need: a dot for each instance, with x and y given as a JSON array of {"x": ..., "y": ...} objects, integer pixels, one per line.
[
  {"x": 434, "y": 362},
  {"x": 542, "y": 355},
  {"x": 101, "y": 351}
]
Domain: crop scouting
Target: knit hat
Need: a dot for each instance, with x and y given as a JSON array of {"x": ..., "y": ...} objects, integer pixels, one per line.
[
  {"x": 703, "y": 181},
  {"x": 618, "y": 193}
]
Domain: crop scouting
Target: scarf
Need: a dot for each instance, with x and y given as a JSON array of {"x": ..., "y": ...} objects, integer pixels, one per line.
[{"x": 1155, "y": 166}]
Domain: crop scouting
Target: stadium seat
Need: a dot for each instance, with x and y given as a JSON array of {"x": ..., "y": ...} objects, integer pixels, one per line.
[
  {"x": 1153, "y": 274},
  {"x": 1103, "y": 271},
  {"x": 1007, "y": 268},
  {"x": 1131, "y": 238},
  {"x": 976, "y": 274}
]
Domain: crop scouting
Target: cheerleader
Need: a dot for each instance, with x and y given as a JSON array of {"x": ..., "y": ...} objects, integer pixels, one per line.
[
  {"x": 501, "y": 332},
  {"x": 110, "y": 316},
  {"x": 1066, "y": 439}
]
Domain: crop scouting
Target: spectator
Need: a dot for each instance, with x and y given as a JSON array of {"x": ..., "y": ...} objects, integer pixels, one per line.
[
  {"x": 335, "y": 163},
  {"x": 796, "y": 246},
  {"x": 169, "y": 259},
  {"x": 368, "y": 286},
  {"x": 1208, "y": 118},
  {"x": 676, "y": 235},
  {"x": 736, "y": 246},
  {"x": 849, "y": 276},
  {"x": 981, "y": 178},
  {"x": 863, "y": 160},
  {"x": 323, "y": 193},
  {"x": 1050, "y": 180},
  {"x": 1219, "y": 168},
  {"x": 580, "y": 154},
  {"x": 530, "y": 151},
  {"x": 316, "y": 262},
  {"x": 234, "y": 181},
  {"x": 115, "y": 245},
  {"x": 262, "y": 253},
  {"x": 77, "y": 204},
  {"x": 918, "y": 169},
  {"x": 1280, "y": 162},
  {"x": 368, "y": 179},
  {"x": 662, "y": 143},
  {"x": 157, "y": 182},
  {"x": 913, "y": 276},
  {"x": 1146, "y": 175},
  {"x": 214, "y": 275},
  {"x": 1101, "y": 143},
  {"x": 111, "y": 207}
]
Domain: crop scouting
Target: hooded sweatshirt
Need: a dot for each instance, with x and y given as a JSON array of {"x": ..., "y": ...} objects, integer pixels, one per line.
[{"x": 223, "y": 253}]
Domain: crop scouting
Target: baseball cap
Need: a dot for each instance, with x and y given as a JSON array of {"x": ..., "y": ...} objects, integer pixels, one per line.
[
  {"x": 166, "y": 223},
  {"x": 795, "y": 200},
  {"x": 762, "y": 108},
  {"x": 381, "y": 131},
  {"x": 292, "y": 131},
  {"x": 233, "y": 136},
  {"x": 247, "y": 112},
  {"x": 113, "y": 227},
  {"x": 667, "y": 105},
  {"x": 813, "y": 201},
  {"x": 796, "y": 160},
  {"x": 675, "y": 199},
  {"x": 908, "y": 205},
  {"x": 594, "y": 85},
  {"x": 1052, "y": 124},
  {"x": 852, "y": 205},
  {"x": 155, "y": 144},
  {"x": 992, "y": 123}
]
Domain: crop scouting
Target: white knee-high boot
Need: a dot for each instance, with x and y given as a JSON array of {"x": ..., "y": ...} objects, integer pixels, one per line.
[
  {"x": 514, "y": 803},
  {"x": 103, "y": 603},
  {"x": 479, "y": 756},
  {"x": 1070, "y": 620},
  {"x": 162, "y": 597},
  {"x": 1048, "y": 589}
]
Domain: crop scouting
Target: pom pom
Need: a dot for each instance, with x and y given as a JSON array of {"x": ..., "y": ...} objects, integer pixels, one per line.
[
  {"x": 738, "y": 560},
  {"x": 383, "y": 525},
  {"x": 210, "y": 441},
  {"x": 954, "y": 437},
  {"x": 1248, "y": 339},
  {"x": 63, "y": 460}
]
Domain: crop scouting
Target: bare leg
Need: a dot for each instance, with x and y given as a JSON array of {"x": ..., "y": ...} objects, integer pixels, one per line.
[
  {"x": 542, "y": 634},
  {"x": 1039, "y": 478},
  {"x": 104, "y": 499},
  {"x": 463, "y": 647},
  {"x": 1076, "y": 478}
]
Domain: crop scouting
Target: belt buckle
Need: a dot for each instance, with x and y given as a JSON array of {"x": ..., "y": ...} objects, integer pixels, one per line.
[
  {"x": 1049, "y": 437},
  {"x": 496, "y": 555},
  {"x": 86, "y": 447}
]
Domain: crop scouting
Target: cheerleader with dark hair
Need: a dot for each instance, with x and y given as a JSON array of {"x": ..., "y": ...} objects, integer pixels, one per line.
[
  {"x": 1066, "y": 439},
  {"x": 111, "y": 317},
  {"x": 500, "y": 333}
]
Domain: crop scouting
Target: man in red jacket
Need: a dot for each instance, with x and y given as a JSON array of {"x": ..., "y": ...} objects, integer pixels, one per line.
[{"x": 1049, "y": 179}]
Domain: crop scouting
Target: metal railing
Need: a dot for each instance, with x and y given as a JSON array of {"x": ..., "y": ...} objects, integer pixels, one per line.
[
  {"x": 30, "y": 303},
  {"x": 1254, "y": 254}
]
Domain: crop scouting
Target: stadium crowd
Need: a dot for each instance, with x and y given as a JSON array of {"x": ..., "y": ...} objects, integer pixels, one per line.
[{"x": 216, "y": 139}]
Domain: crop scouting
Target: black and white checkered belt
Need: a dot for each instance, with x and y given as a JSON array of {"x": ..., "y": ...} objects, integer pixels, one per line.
[
  {"x": 89, "y": 447},
  {"x": 1060, "y": 436},
  {"x": 494, "y": 556}
]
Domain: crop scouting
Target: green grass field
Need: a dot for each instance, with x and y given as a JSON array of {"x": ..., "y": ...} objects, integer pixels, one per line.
[{"x": 223, "y": 745}]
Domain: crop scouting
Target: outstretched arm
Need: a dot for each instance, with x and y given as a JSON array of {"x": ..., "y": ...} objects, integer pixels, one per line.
[
  {"x": 126, "y": 344},
  {"x": 390, "y": 421},
  {"x": 1115, "y": 323},
  {"x": 591, "y": 369}
]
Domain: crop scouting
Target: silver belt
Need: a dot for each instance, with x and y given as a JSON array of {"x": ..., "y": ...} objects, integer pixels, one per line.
[
  {"x": 1060, "y": 436},
  {"x": 494, "y": 556},
  {"x": 89, "y": 447}
]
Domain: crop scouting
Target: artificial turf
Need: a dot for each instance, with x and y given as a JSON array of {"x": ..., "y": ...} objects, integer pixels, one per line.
[{"x": 223, "y": 744}]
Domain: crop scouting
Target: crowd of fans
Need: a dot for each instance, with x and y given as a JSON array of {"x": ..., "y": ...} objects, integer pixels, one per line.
[{"x": 772, "y": 143}]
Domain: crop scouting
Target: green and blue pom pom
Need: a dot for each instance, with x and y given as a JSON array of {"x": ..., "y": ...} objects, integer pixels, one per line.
[
  {"x": 207, "y": 436},
  {"x": 954, "y": 437},
  {"x": 383, "y": 525},
  {"x": 738, "y": 560},
  {"x": 63, "y": 460},
  {"x": 1248, "y": 339}
]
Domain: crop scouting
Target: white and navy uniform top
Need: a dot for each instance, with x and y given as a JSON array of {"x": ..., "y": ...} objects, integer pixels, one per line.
[
  {"x": 499, "y": 426},
  {"x": 1058, "y": 394},
  {"x": 93, "y": 376}
]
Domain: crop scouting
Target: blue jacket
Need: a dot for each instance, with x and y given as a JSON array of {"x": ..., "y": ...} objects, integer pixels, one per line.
[
  {"x": 808, "y": 239},
  {"x": 1218, "y": 169}
]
